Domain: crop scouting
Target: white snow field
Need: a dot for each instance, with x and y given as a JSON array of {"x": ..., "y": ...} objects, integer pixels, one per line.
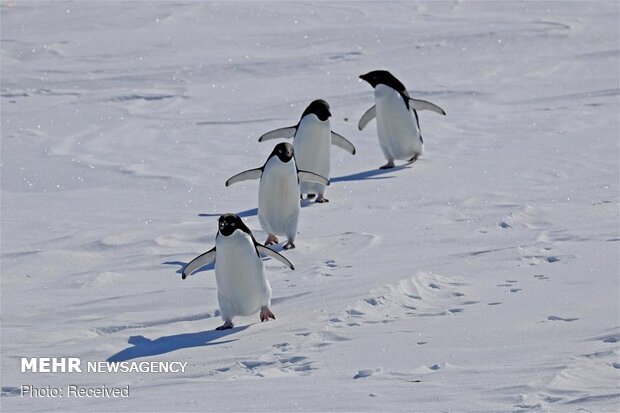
[{"x": 484, "y": 277}]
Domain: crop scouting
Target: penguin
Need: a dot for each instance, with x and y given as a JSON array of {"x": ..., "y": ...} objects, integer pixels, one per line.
[
  {"x": 278, "y": 192},
  {"x": 398, "y": 125},
  {"x": 242, "y": 289},
  {"x": 312, "y": 137}
]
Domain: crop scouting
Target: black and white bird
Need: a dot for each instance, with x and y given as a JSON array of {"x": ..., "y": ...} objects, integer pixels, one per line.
[
  {"x": 242, "y": 288},
  {"x": 278, "y": 192},
  {"x": 312, "y": 140},
  {"x": 398, "y": 125}
]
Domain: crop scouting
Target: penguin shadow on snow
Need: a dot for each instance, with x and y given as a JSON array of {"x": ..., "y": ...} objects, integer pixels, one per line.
[
  {"x": 243, "y": 214},
  {"x": 145, "y": 347},
  {"x": 183, "y": 264},
  {"x": 371, "y": 174},
  {"x": 253, "y": 211}
]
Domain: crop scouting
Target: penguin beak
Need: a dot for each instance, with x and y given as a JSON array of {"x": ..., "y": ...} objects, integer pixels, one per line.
[{"x": 366, "y": 79}]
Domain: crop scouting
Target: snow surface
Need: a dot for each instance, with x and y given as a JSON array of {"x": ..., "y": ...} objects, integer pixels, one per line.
[{"x": 483, "y": 277}]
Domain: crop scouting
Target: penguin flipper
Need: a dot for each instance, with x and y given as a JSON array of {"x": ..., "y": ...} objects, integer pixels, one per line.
[
  {"x": 343, "y": 143},
  {"x": 245, "y": 176},
  {"x": 200, "y": 261},
  {"x": 419, "y": 104},
  {"x": 271, "y": 253},
  {"x": 282, "y": 133},
  {"x": 312, "y": 177},
  {"x": 367, "y": 117}
]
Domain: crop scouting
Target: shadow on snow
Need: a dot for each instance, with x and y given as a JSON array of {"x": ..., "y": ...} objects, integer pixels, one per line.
[
  {"x": 144, "y": 347},
  {"x": 371, "y": 174},
  {"x": 253, "y": 211},
  {"x": 243, "y": 214},
  {"x": 182, "y": 265}
]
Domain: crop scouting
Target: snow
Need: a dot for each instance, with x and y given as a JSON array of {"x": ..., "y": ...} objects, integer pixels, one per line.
[{"x": 483, "y": 277}]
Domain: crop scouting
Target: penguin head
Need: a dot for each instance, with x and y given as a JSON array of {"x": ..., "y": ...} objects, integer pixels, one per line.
[
  {"x": 228, "y": 223},
  {"x": 383, "y": 77},
  {"x": 284, "y": 151},
  {"x": 320, "y": 108}
]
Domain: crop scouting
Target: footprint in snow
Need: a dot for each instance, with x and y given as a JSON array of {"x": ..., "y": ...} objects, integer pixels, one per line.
[
  {"x": 365, "y": 373},
  {"x": 278, "y": 367},
  {"x": 355, "y": 313},
  {"x": 283, "y": 347},
  {"x": 556, "y": 318}
]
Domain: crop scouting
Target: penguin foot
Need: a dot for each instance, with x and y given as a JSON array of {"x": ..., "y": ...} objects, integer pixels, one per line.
[
  {"x": 265, "y": 314},
  {"x": 320, "y": 199},
  {"x": 414, "y": 157},
  {"x": 310, "y": 196},
  {"x": 388, "y": 165},
  {"x": 226, "y": 326},
  {"x": 271, "y": 239},
  {"x": 289, "y": 245}
]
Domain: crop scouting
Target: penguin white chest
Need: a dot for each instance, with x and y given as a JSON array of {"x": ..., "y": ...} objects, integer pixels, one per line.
[
  {"x": 312, "y": 146},
  {"x": 278, "y": 198},
  {"x": 397, "y": 129},
  {"x": 240, "y": 274}
]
